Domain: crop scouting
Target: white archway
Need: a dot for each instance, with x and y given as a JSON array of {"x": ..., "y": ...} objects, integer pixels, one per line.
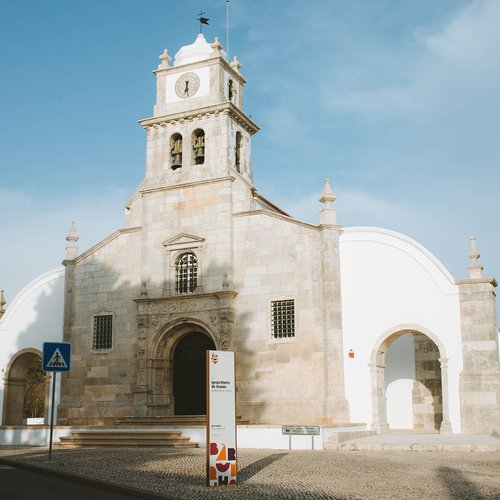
[
  {"x": 15, "y": 386},
  {"x": 438, "y": 389}
]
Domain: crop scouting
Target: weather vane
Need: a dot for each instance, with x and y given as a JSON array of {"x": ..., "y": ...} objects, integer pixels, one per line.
[{"x": 203, "y": 20}]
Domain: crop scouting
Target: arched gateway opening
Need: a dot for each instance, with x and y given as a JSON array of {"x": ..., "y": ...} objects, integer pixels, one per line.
[
  {"x": 409, "y": 381},
  {"x": 190, "y": 373},
  {"x": 25, "y": 388}
]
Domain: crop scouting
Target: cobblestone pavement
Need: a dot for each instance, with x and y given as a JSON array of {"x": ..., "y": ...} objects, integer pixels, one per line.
[{"x": 278, "y": 474}]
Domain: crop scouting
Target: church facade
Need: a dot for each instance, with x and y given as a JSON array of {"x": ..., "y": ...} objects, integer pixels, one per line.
[{"x": 330, "y": 325}]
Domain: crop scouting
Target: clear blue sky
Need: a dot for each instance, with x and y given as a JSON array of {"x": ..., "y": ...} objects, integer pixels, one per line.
[{"x": 398, "y": 102}]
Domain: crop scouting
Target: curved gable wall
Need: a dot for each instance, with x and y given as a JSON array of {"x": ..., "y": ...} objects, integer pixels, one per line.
[
  {"x": 35, "y": 316},
  {"x": 388, "y": 282}
]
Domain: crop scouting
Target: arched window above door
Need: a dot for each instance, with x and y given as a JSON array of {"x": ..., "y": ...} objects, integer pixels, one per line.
[{"x": 186, "y": 273}]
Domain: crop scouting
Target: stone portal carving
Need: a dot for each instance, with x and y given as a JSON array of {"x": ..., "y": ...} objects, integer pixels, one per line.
[{"x": 161, "y": 323}]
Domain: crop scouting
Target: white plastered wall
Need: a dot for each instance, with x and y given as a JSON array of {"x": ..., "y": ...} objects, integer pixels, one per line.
[
  {"x": 391, "y": 283},
  {"x": 399, "y": 377},
  {"x": 34, "y": 316}
]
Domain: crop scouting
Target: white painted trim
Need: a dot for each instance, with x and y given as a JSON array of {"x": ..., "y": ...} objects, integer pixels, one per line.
[
  {"x": 394, "y": 239},
  {"x": 29, "y": 289}
]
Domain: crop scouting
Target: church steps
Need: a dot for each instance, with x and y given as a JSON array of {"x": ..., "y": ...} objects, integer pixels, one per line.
[
  {"x": 170, "y": 421},
  {"x": 169, "y": 439},
  {"x": 174, "y": 420}
]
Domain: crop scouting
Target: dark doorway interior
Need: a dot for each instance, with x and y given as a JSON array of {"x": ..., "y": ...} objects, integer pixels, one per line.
[{"x": 190, "y": 374}]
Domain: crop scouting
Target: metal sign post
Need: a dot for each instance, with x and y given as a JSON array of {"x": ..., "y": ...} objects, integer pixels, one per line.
[
  {"x": 56, "y": 358},
  {"x": 300, "y": 430},
  {"x": 52, "y": 408}
]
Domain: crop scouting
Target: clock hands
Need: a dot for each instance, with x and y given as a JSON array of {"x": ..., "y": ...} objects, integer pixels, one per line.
[{"x": 187, "y": 85}]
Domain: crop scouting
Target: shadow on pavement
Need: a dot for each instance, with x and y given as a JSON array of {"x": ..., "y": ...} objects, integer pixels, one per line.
[
  {"x": 457, "y": 485},
  {"x": 255, "y": 467}
]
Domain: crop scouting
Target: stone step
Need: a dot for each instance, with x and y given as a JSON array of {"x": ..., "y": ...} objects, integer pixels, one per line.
[
  {"x": 125, "y": 439},
  {"x": 336, "y": 439},
  {"x": 170, "y": 421},
  {"x": 128, "y": 434},
  {"x": 177, "y": 420}
]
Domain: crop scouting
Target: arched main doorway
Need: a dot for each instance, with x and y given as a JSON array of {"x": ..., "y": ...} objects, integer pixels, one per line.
[
  {"x": 25, "y": 388},
  {"x": 189, "y": 373},
  {"x": 409, "y": 380}
]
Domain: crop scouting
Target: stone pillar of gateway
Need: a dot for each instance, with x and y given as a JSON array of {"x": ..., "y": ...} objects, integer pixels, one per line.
[
  {"x": 480, "y": 378},
  {"x": 335, "y": 405}
]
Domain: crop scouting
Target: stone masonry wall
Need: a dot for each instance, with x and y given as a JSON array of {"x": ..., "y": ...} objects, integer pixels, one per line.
[
  {"x": 280, "y": 381},
  {"x": 480, "y": 378},
  {"x": 427, "y": 387}
]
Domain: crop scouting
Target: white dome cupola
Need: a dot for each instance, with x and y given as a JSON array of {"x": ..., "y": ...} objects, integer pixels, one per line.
[{"x": 200, "y": 50}]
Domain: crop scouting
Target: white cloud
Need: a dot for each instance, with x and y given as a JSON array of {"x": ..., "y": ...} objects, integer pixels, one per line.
[
  {"x": 454, "y": 69},
  {"x": 428, "y": 224},
  {"x": 34, "y": 233},
  {"x": 354, "y": 208}
]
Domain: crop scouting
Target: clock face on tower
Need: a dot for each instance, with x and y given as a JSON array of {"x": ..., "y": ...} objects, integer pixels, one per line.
[{"x": 187, "y": 85}]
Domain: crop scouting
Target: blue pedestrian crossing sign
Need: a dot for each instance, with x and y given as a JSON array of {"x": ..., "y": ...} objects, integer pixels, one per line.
[{"x": 56, "y": 356}]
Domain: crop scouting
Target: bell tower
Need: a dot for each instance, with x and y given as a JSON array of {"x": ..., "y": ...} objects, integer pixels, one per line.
[
  {"x": 198, "y": 130},
  {"x": 198, "y": 169}
]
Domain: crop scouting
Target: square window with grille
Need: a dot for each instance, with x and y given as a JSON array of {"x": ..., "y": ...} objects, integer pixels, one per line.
[
  {"x": 103, "y": 332},
  {"x": 283, "y": 319}
]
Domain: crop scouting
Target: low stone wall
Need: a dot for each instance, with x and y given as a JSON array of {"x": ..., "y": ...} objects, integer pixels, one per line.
[{"x": 249, "y": 436}]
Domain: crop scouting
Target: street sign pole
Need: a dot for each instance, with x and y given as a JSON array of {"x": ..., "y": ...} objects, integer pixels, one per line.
[
  {"x": 56, "y": 357},
  {"x": 53, "y": 407}
]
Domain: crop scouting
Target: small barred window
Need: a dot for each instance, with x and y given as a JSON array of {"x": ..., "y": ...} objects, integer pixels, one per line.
[
  {"x": 186, "y": 273},
  {"x": 283, "y": 319},
  {"x": 103, "y": 332}
]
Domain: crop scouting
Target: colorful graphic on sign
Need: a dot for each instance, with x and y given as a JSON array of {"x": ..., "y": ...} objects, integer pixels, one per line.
[{"x": 221, "y": 419}]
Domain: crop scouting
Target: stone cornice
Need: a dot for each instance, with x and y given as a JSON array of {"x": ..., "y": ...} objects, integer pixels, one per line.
[
  {"x": 135, "y": 195},
  {"x": 186, "y": 184},
  {"x": 276, "y": 215},
  {"x": 477, "y": 281},
  {"x": 200, "y": 64},
  {"x": 103, "y": 243},
  {"x": 270, "y": 204},
  {"x": 191, "y": 296},
  {"x": 336, "y": 227},
  {"x": 201, "y": 113}
]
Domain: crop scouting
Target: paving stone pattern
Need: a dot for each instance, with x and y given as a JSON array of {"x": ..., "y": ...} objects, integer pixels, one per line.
[{"x": 273, "y": 474}]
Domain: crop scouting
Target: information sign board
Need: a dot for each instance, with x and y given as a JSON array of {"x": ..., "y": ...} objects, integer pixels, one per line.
[
  {"x": 301, "y": 430},
  {"x": 221, "y": 419}
]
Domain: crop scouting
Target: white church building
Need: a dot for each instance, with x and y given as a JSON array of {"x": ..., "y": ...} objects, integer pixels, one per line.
[{"x": 330, "y": 325}]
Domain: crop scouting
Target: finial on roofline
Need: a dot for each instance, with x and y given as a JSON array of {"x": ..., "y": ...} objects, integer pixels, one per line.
[
  {"x": 165, "y": 59},
  {"x": 475, "y": 268},
  {"x": 216, "y": 46},
  {"x": 327, "y": 197},
  {"x": 235, "y": 64},
  {"x": 328, "y": 214},
  {"x": 72, "y": 238}
]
